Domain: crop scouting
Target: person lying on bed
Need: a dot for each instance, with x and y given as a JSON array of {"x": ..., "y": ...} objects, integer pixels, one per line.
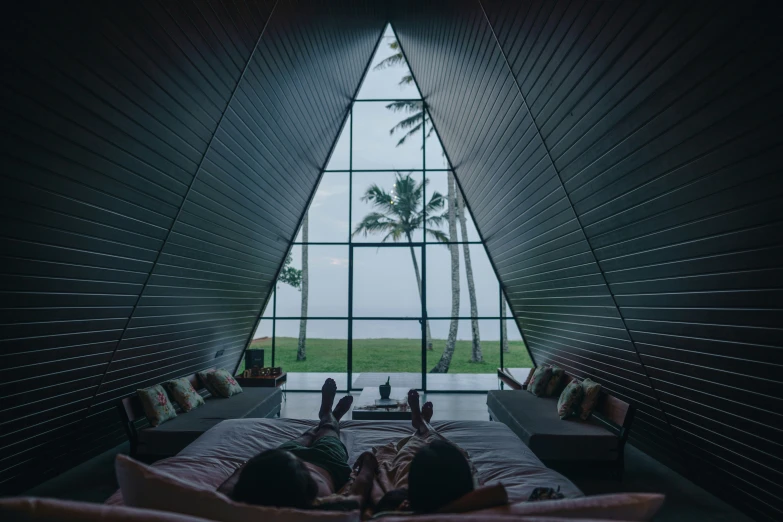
[
  {"x": 308, "y": 471},
  {"x": 424, "y": 472}
]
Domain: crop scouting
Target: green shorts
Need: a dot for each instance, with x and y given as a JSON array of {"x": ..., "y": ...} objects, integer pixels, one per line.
[{"x": 328, "y": 453}]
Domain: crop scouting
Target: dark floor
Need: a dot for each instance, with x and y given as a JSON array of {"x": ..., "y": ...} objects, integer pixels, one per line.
[{"x": 94, "y": 480}]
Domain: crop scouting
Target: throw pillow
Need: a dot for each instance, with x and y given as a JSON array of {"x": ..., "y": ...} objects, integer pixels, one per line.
[
  {"x": 640, "y": 507},
  {"x": 570, "y": 399},
  {"x": 204, "y": 378},
  {"x": 539, "y": 380},
  {"x": 157, "y": 406},
  {"x": 554, "y": 381},
  {"x": 144, "y": 487},
  {"x": 591, "y": 391},
  {"x": 224, "y": 383},
  {"x": 184, "y": 394}
]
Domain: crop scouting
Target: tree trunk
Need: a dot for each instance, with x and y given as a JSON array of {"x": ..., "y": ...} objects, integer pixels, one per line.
[
  {"x": 418, "y": 284},
  {"x": 475, "y": 355},
  {"x": 503, "y": 331},
  {"x": 301, "y": 353},
  {"x": 448, "y": 351}
]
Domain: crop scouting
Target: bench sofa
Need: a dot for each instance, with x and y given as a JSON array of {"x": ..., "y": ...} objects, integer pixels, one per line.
[
  {"x": 569, "y": 445},
  {"x": 169, "y": 438}
]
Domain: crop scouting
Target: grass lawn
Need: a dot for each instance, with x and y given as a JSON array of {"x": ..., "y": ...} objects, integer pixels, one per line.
[{"x": 387, "y": 355}]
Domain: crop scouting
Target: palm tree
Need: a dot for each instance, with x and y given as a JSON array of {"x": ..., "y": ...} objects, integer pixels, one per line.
[
  {"x": 451, "y": 342},
  {"x": 475, "y": 355},
  {"x": 399, "y": 214},
  {"x": 503, "y": 331},
  {"x": 301, "y": 349}
]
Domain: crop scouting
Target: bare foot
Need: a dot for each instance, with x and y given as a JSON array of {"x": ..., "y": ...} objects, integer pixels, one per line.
[
  {"x": 413, "y": 404},
  {"x": 342, "y": 407},
  {"x": 328, "y": 391},
  {"x": 427, "y": 411}
]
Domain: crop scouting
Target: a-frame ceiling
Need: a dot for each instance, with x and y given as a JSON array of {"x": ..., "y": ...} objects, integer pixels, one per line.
[{"x": 621, "y": 160}]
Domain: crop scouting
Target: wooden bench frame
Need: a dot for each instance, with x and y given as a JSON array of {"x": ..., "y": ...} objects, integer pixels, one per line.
[
  {"x": 615, "y": 414},
  {"x": 132, "y": 413}
]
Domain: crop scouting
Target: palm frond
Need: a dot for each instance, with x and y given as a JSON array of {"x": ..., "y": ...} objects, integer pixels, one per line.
[
  {"x": 406, "y": 80},
  {"x": 405, "y": 106},
  {"x": 394, "y": 60},
  {"x": 373, "y": 223},
  {"x": 438, "y": 235}
]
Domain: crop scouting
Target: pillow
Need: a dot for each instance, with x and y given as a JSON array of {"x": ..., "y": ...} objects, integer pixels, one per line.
[
  {"x": 570, "y": 399},
  {"x": 157, "y": 406},
  {"x": 539, "y": 380},
  {"x": 203, "y": 377},
  {"x": 591, "y": 390},
  {"x": 184, "y": 394},
  {"x": 554, "y": 381},
  {"x": 635, "y": 507},
  {"x": 145, "y": 487},
  {"x": 224, "y": 383},
  {"x": 54, "y": 510}
]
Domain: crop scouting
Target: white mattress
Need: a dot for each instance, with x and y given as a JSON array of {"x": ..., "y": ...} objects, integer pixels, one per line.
[{"x": 498, "y": 454}]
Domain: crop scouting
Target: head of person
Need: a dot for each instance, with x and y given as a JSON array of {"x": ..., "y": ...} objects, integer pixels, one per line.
[
  {"x": 276, "y": 478},
  {"x": 439, "y": 475}
]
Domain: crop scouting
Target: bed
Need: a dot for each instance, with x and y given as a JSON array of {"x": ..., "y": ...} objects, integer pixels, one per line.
[{"x": 498, "y": 454}]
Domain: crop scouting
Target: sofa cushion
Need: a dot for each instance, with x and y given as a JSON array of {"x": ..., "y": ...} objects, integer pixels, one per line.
[
  {"x": 170, "y": 438},
  {"x": 569, "y": 401},
  {"x": 184, "y": 394},
  {"x": 590, "y": 392},
  {"x": 157, "y": 405},
  {"x": 224, "y": 383},
  {"x": 535, "y": 421},
  {"x": 539, "y": 380}
]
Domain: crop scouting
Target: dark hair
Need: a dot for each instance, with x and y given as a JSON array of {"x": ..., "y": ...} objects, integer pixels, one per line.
[
  {"x": 439, "y": 474},
  {"x": 276, "y": 478}
]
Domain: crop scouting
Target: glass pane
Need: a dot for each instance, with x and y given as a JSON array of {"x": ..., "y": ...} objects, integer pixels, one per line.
[
  {"x": 384, "y": 349},
  {"x": 516, "y": 355},
  {"x": 388, "y": 76},
  {"x": 326, "y": 283},
  {"x": 386, "y": 203},
  {"x": 509, "y": 314},
  {"x": 435, "y": 157},
  {"x": 463, "y": 360},
  {"x": 324, "y": 347},
  {"x": 264, "y": 328},
  {"x": 439, "y": 277},
  {"x": 385, "y": 282},
  {"x": 437, "y": 182},
  {"x": 340, "y": 157},
  {"x": 328, "y": 213},
  {"x": 387, "y": 136}
]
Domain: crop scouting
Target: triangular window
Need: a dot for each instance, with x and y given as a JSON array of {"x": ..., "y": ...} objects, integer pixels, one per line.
[{"x": 379, "y": 240}]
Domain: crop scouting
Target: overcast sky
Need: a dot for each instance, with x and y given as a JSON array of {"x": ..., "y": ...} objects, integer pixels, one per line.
[{"x": 384, "y": 279}]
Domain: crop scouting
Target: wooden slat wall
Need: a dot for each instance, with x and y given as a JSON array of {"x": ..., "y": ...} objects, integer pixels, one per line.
[
  {"x": 622, "y": 161},
  {"x": 157, "y": 157}
]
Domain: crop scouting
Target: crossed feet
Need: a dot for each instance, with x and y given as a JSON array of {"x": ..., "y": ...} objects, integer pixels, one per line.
[
  {"x": 420, "y": 416},
  {"x": 328, "y": 392}
]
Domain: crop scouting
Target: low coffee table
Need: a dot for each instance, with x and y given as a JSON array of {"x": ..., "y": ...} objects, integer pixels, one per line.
[{"x": 369, "y": 406}]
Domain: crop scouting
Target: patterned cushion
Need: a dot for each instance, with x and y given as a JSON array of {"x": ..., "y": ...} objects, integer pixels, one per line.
[
  {"x": 202, "y": 376},
  {"x": 224, "y": 383},
  {"x": 539, "y": 380},
  {"x": 552, "y": 387},
  {"x": 183, "y": 392},
  {"x": 570, "y": 399},
  {"x": 591, "y": 391},
  {"x": 157, "y": 406}
]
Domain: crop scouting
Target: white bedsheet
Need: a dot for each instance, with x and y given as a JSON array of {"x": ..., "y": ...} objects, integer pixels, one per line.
[{"x": 497, "y": 452}]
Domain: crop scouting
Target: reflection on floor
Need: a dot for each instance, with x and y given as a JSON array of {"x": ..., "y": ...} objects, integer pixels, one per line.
[{"x": 472, "y": 382}]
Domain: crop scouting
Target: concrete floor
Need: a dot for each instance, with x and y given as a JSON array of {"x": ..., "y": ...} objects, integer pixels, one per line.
[{"x": 94, "y": 481}]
